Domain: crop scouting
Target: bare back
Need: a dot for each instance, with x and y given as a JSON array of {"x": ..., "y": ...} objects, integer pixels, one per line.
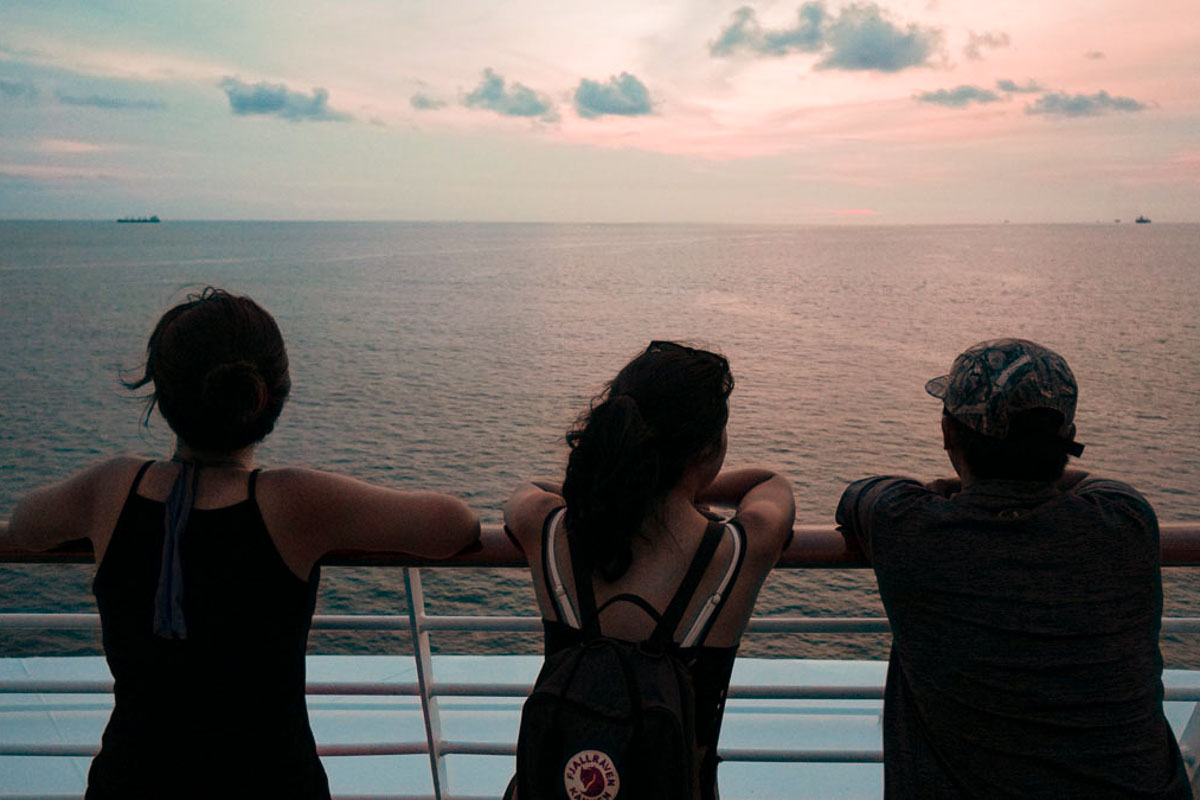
[{"x": 656, "y": 570}]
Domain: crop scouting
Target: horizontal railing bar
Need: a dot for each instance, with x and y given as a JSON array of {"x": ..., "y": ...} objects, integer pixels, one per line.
[
  {"x": 514, "y": 690},
  {"x": 55, "y": 749},
  {"x": 746, "y": 754},
  {"x": 396, "y": 622},
  {"x": 754, "y": 692},
  {"x": 479, "y": 749},
  {"x": 812, "y": 547},
  {"x": 356, "y": 688},
  {"x": 818, "y": 625},
  {"x": 49, "y": 622},
  {"x": 374, "y": 749},
  {"x": 392, "y": 622},
  {"x": 60, "y": 686},
  {"x": 731, "y": 754},
  {"x": 323, "y": 750}
]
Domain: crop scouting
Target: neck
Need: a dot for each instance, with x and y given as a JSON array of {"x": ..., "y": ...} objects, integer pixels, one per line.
[
  {"x": 237, "y": 459},
  {"x": 677, "y": 509},
  {"x": 960, "y": 466}
]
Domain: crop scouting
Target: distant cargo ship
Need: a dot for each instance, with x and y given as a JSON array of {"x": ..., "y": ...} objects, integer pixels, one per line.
[
  {"x": 1142, "y": 220},
  {"x": 155, "y": 219}
]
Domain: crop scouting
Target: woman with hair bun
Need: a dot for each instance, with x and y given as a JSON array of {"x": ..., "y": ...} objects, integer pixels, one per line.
[
  {"x": 207, "y": 568},
  {"x": 644, "y": 462}
]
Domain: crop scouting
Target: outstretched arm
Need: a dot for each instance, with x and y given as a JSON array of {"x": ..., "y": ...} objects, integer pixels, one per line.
[
  {"x": 316, "y": 512},
  {"x": 69, "y": 510}
]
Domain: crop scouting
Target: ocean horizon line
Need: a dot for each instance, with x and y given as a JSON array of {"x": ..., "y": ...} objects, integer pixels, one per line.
[{"x": 856, "y": 223}]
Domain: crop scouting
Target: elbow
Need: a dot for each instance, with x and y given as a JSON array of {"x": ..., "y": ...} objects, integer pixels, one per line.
[
  {"x": 13, "y": 531},
  {"x": 462, "y": 530},
  {"x": 15, "y": 534},
  {"x": 781, "y": 481}
]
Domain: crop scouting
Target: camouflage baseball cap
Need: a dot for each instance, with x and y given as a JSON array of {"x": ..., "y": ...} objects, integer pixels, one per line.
[{"x": 996, "y": 380}]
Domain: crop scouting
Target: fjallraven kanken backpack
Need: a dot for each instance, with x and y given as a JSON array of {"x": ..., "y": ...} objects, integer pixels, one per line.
[{"x": 610, "y": 719}]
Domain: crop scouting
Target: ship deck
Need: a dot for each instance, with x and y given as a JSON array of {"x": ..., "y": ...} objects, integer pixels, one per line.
[{"x": 374, "y": 745}]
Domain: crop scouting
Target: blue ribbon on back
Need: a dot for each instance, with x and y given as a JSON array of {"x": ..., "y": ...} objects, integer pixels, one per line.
[{"x": 169, "y": 621}]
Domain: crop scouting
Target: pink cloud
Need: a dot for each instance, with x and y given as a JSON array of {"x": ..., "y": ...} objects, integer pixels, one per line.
[
  {"x": 66, "y": 147},
  {"x": 41, "y": 173}
]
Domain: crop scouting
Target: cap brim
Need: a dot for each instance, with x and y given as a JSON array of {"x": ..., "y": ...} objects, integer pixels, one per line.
[{"x": 938, "y": 387}]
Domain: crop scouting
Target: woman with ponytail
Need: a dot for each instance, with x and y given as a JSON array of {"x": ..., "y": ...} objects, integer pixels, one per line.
[
  {"x": 645, "y": 462},
  {"x": 207, "y": 569}
]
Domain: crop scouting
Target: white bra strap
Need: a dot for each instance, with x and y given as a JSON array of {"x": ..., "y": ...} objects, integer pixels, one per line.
[
  {"x": 714, "y": 602},
  {"x": 553, "y": 579}
]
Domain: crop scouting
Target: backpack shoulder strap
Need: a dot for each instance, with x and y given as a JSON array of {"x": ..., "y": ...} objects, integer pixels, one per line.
[
  {"x": 585, "y": 595},
  {"x": 554, "y": 584},
  {"x": 704, "y": 621},
  {"x": 665, "y": 631}
]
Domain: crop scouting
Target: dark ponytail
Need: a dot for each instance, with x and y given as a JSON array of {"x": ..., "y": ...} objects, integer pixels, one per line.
[
  {"x": 667, "y": 406},
  {"x": 219, "y": 370}
]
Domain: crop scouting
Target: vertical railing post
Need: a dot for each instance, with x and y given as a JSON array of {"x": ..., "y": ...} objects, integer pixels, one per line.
[{"x": 424, "y": 658}]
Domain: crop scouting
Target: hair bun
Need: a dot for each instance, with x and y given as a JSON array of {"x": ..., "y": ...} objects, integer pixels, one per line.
[{"x": 236, "y": 391}]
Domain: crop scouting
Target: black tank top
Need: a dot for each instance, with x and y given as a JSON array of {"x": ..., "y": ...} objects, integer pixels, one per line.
[{"x": 221, "y": 713}]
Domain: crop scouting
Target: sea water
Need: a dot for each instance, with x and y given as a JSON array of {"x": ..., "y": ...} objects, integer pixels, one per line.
[{"x": 455, "y": 356}]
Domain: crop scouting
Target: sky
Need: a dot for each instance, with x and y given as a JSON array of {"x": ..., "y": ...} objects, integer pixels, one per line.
[{"x": 820, "y": 112}]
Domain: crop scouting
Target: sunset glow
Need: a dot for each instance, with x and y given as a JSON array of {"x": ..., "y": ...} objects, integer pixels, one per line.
[{"x": 890, "y": 112}]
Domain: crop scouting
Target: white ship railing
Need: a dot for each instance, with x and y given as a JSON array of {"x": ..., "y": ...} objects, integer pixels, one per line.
[{"x": 813, "y": 547}]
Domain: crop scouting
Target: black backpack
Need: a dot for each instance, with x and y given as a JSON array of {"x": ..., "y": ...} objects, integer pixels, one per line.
[{"x": 610, "y": 719}]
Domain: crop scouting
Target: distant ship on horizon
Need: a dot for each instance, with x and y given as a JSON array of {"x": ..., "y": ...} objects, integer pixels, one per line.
[
  {"x": 1142, "y": 219},
  {"x": 156, "y": 219}
]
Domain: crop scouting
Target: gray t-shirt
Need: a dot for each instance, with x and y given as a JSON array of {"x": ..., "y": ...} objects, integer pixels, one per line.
[{"x": 1025, "y": 622}]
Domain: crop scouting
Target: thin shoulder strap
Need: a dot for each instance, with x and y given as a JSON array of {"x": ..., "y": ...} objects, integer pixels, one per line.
[
  {"x": 559, "y": 600},
  {"x": 558, "y": 593},
  {"x": 640, "y": 602},
  {"x": 712, "y": 607},
  {"x": 252, "y": 485},
  {"x": 137, "y": 479},
  {"x": 665, "y": 631}
]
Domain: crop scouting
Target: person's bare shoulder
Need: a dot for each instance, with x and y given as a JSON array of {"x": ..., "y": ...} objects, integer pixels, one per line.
[
  {"x": 526, "y": 510},
  {"x": 84, "y": 505}
]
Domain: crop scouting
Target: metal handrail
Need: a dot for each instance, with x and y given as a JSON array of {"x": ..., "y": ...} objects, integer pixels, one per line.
[
  {"x": 53, "y": 621},
  {"x": 811, "y": 547}
]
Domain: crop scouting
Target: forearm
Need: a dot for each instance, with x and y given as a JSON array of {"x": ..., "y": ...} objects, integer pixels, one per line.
[
  {"x": 33, "y": 524},
  {"x": 548, "y": 485},
  {"x": 731, "y": 486}
]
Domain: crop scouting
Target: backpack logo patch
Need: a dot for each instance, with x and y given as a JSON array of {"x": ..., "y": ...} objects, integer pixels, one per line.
[{"x": 590, "y": 775}]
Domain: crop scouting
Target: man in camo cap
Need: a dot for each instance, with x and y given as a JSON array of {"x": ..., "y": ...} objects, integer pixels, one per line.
[
  {"x": 995, "y": 381},
  {"x": 1025, "y": 602}
]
